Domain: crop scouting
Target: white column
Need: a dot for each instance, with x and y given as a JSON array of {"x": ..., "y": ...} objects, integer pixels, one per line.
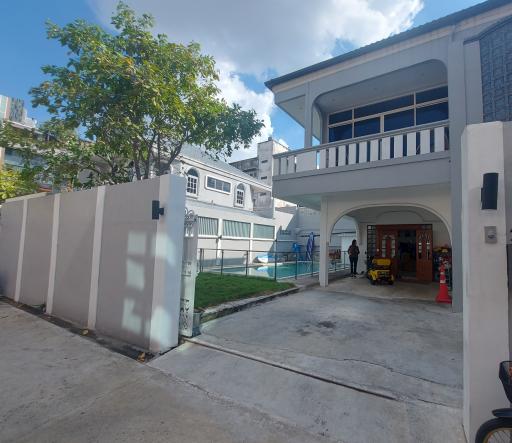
[
  {"x": 53, "y": 254},
  {"x": 324, "y": 244},
  {"x": 374, "y": 150},
  {"x": 386, "y": 148},
  {"x": 352, "y": 153},
  {"x": 96, "y": 254},
  {"x": 21, "y": 251},
  {"x": 484, "y": 270},
  {"x": 167, "y": 275}
]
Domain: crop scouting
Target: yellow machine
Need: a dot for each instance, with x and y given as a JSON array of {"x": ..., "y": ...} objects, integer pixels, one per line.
[{"x": 380, "y": 271}]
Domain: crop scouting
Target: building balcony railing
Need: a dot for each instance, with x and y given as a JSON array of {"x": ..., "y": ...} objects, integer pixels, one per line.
[{"x": 419, "y": 140}]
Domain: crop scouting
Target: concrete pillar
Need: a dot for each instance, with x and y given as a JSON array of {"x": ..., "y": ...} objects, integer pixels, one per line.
[
  {"x": 484, "y": 276},
  {"x": 324, "y": 244},
  {"x": 308, "y": 120},
  {"x": 458, "y": 121}
]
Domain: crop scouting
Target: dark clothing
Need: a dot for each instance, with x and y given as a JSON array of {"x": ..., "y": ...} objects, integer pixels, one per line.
[
  {"x": 353, "y": 264},
  {"x": 353, "y": 251}
]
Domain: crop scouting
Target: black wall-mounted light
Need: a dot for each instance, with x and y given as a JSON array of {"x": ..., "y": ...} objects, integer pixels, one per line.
[
  {"x": 489, "y": 194},
  {"x": 156, "y": 210}
]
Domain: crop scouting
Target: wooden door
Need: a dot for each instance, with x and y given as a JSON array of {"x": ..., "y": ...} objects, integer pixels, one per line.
[
  {"x": 387, "y": 245},
  {"x": 424, "y": 246}
]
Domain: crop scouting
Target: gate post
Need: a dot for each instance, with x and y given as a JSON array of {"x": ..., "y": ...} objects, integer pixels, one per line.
[{"x": 188, "y": 276}]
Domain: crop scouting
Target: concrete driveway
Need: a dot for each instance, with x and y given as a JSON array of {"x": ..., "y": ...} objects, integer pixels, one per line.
[
  {"x": 349, "y": 363},
  {"x": 56, "y": 386}
]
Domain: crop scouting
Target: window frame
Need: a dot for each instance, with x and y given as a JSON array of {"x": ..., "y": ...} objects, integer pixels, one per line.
[
  {"x": 382, "y": 115},
  {"x": 194, "y": 178},
  {"x": 226, "y": 221},
  {"x": 240, "y": 188},
  {"x": 217, "y": 180}
]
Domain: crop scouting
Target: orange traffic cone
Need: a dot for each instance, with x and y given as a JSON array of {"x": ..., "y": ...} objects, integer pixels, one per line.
[{"x": 442, "y": 295}]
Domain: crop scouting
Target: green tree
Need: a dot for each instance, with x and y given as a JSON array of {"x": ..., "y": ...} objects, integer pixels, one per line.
[
  {"x": 138, "y": 97},
  {"x": 55, "y": 154},
  {"x": 15, "y": 183}
]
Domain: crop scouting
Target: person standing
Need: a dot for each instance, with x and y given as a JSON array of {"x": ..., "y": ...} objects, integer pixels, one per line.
[{"x": 353, "y": 255}]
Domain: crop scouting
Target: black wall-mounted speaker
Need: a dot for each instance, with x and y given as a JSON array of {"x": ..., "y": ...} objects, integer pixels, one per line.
[
  {"x": 490, "y": 191},
  {"x": 156, "y": 210}
]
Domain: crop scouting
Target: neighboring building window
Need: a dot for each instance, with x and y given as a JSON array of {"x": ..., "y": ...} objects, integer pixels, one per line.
[
  {"x": 231, "y": 228},
  {"x": 240, "y": 195},
  {"x": 192, "y": 179},
  {"x": 402, "y": 112},
  {"x": 263, "y": 231},
  {"x": 207, "y": 226},
  {"x": 218, "y": 185}
]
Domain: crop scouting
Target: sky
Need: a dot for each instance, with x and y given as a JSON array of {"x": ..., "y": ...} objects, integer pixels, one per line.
[{"x": 251, "y": 41}]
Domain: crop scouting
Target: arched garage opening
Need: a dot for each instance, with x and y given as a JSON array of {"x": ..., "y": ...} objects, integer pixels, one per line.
[{"x": 415, "y": 238}]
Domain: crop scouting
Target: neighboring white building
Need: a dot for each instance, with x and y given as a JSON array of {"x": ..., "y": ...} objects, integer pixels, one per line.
[
  {"x": 224, "y": 199},
  {"x": 13, "y": 110},
  {"x": 262, "y": 168}
]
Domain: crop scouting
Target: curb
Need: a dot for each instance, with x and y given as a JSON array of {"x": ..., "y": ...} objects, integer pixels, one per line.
[{"x": 240, "y": 305}]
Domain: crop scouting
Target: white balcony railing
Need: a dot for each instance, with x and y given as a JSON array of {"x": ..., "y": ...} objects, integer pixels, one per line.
[{"x": 419, "y": 140}]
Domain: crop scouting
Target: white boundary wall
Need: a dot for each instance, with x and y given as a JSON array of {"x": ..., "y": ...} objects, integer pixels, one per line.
[{"x": 97, "y": 259}]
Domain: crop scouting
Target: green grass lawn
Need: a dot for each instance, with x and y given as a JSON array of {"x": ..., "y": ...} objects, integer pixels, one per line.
[{"x": 214, "y": 289}]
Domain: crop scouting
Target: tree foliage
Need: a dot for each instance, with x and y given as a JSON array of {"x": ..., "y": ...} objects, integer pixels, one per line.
[
  {"x": 138, "y": 98},
  {"x": 15, "y": 183}
]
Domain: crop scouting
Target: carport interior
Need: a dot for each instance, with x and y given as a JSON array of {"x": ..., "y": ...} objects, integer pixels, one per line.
[{"x": 413, "y": 238}]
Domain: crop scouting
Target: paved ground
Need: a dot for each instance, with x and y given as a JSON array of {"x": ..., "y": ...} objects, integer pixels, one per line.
[
  {"x": 59, "y": 387},
  {"x": 307, "y": 358}
]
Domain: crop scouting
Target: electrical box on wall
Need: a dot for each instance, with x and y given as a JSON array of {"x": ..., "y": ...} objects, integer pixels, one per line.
[{"x": 491, "y": 235}]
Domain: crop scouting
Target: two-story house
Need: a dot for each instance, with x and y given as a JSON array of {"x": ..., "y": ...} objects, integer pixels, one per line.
[{"x": 389, "y": 118}]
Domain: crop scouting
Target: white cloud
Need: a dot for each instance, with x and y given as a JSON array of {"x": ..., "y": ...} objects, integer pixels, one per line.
[
  {"x": 234, "y": 90},
  {"x": 258, "y": 37}
]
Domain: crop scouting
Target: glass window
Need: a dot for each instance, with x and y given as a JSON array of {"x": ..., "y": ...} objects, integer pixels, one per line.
[
  {"x": 433, "y": 113},
  {"x": 240, "y": 195},
  {"x": 340, "y": 117},
  {"x": 388, "y": 105},
  {"x": 192, "y": 180},
  {"x": 218, "y": 185},
  {"x": 207, "y": 226},
  {"x": 367, "y": 127},
  {"x": 231, "y": 228},
  {"x": 432, "y": 94},
  {"x": 263, "y": 231},
  {"x": 342, "y": 132},
  {"x": 399, "y": 120}
]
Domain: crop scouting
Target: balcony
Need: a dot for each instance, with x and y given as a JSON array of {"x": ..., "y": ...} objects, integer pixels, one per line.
[
  {"x": 392, "y": 145},
  {"x": 411, "y": 157}
]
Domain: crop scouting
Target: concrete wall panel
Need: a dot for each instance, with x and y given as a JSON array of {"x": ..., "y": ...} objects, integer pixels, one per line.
[
  {"x": 10, "y": 232},
  {"x": 36, "y": 254},
  {"x": 125, "y": 287},
  {"x": 74, "y": 256}
]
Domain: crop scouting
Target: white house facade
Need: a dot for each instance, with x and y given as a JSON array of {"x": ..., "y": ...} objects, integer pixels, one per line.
[{"x": 388, "y": 119}]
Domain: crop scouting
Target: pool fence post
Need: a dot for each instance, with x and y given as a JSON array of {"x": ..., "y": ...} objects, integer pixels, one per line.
[
  {"x": 275, "y": 266},
  {"x": 221, "y": 261},
  {"x": 247, "y": 264},
  {"x": 296, "y": 264}
]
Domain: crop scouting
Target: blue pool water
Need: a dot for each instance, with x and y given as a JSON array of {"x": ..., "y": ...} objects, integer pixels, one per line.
[{"x": 284, "y": 270}]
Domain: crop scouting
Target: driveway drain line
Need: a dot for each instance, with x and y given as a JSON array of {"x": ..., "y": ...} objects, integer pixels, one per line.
[{"x": 298, "y": 371}]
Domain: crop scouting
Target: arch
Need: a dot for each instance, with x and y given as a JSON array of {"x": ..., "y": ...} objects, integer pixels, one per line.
[
  {"x": 192, "y": 181},
  {"x": 352, "y": 209}
]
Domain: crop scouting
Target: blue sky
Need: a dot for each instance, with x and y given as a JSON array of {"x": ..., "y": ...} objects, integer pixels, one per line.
[{"x": 252, "y": 41}]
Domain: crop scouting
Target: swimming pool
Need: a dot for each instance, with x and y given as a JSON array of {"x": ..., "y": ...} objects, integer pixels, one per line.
[{"x": 284, "y": 270}]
